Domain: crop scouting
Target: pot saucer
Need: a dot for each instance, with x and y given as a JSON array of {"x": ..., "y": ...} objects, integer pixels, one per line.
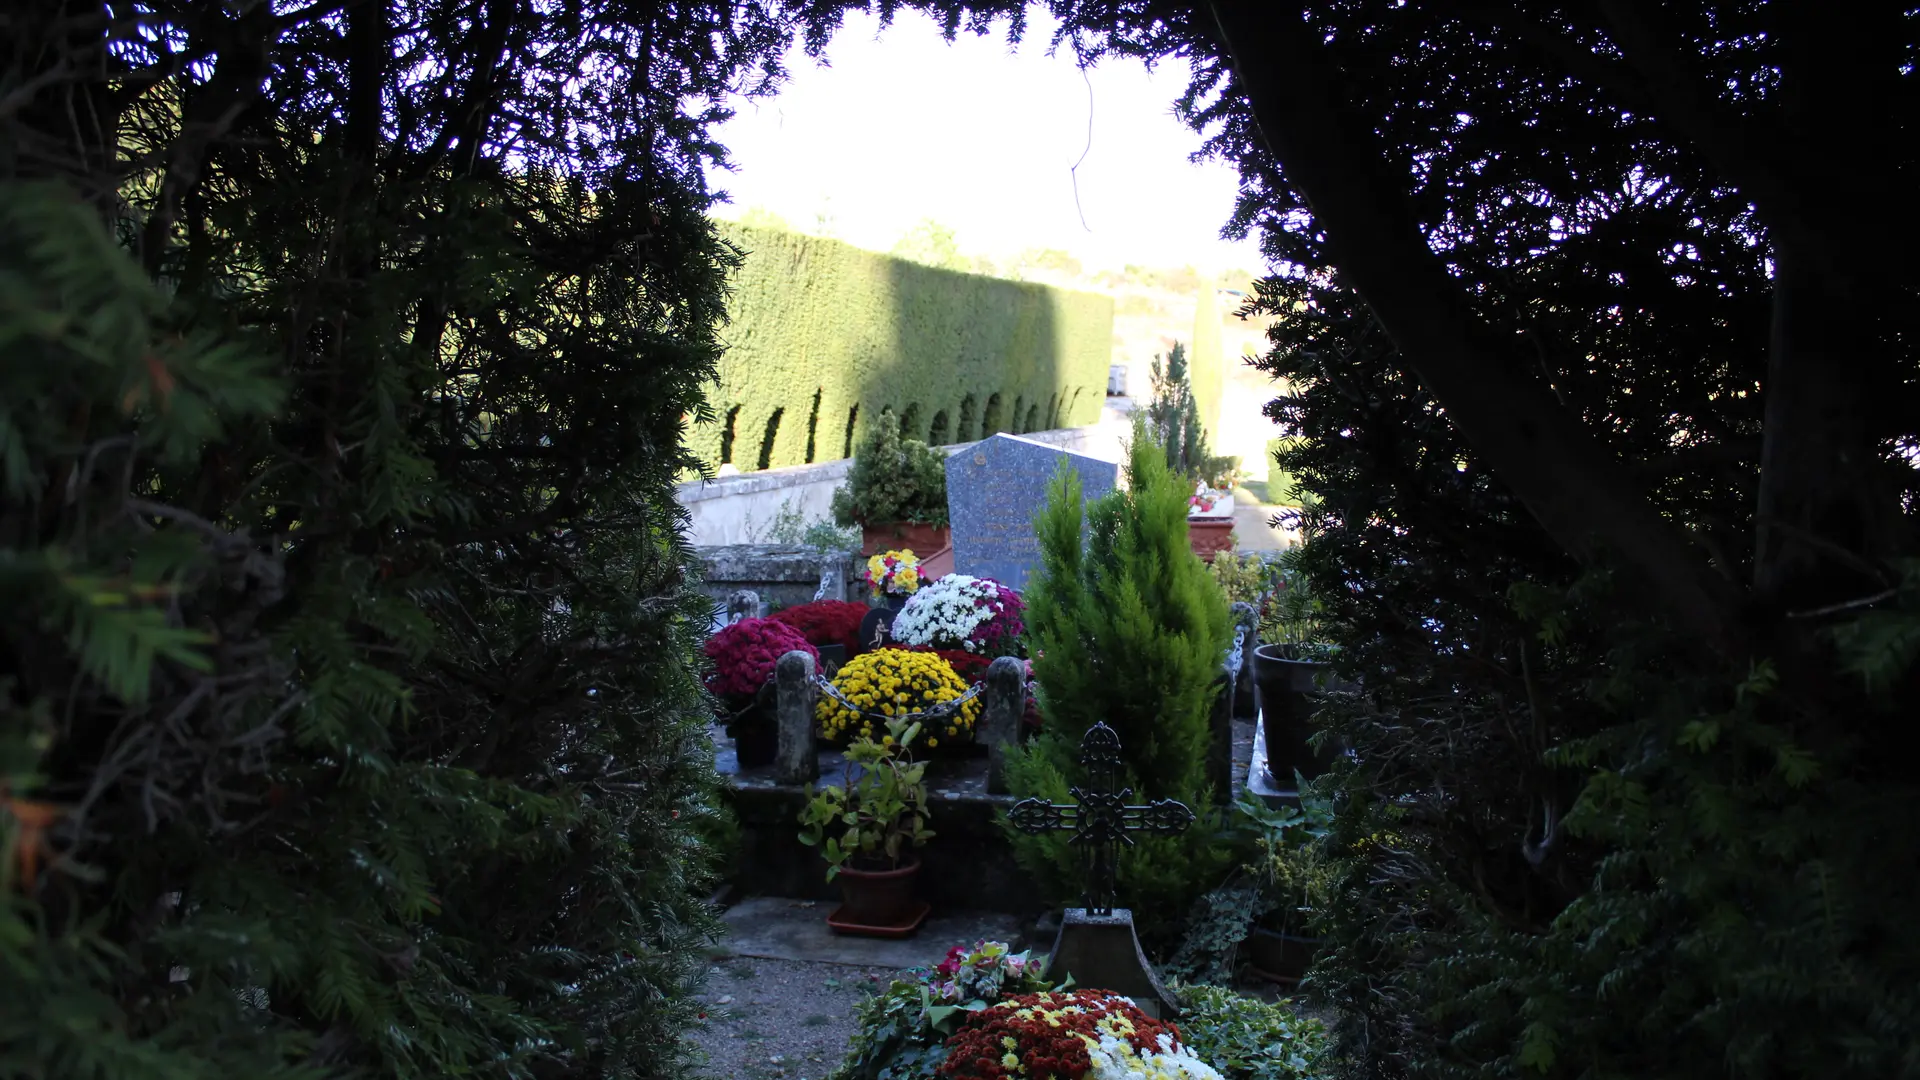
[{"x": 906, "y": 929}]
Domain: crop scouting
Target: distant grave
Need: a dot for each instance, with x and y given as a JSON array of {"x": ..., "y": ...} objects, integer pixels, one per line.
[{"x": 993, "y": 490}]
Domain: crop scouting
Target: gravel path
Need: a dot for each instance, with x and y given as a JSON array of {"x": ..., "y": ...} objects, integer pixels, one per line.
[{"x": 780, "y": 1019}]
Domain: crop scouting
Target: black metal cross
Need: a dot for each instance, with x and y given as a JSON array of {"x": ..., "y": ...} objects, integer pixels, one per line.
[{"x": 1100, "y": 817}]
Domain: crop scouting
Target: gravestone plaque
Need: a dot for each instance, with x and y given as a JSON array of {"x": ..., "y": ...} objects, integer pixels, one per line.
[
  {"x": 876, "y": 630},
  {"x": 994, "y": 488}
]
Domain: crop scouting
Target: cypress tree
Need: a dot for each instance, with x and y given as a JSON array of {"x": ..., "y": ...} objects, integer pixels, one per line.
[{"x": 1128, "y": 629}]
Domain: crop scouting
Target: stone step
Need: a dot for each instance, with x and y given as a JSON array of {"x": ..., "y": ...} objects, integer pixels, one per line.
[{"x": 779, "y": 928}]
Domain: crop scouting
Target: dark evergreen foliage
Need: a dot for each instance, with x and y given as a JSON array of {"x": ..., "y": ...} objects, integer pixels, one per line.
[
  {"x": 1631, "y": 799},
  {"x": 350, "y": 719}
]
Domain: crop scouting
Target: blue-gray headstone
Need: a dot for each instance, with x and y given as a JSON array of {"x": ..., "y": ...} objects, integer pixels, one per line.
[{"x": 993, "y": 490}]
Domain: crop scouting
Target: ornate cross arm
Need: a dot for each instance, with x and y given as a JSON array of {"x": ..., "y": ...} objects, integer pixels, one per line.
[{"x": 1100, "y": 818}]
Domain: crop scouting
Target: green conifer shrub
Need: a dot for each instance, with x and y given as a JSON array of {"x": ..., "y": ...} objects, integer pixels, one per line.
[
  {"x": 1127, "y": 629},
  {"x": 893, "y": 479},
  {"x": 1174, "y": 417}
]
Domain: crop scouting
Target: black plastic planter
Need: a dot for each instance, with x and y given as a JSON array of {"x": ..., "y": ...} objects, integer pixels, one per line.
[{"x": 1285, "y": 688}]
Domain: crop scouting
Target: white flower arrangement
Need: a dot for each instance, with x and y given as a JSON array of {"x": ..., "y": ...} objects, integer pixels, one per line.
[
  {"x": 950, "y": 613},
  {"x": 1116, "y": 1059}
]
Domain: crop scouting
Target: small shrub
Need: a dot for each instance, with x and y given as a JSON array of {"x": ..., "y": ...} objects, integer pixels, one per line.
[
  {"x": 1127, "y": 630},
  {"x": 879, "y": 809},
  {"x": 1243, "y": 578},
  {"x": 1247, "y": 1039},
  {"x": 893, "y": 479},
  {"x": 791, "y": 527},
  {"x": 1282, "y": 883},
  {"x": 825, "y": 536}
]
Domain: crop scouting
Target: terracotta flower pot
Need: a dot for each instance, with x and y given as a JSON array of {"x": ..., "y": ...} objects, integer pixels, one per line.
[
  {"x": 921, "y": 539},
  {"x": 878, "y": 900},
  {"x": 1210, "y": 536}
]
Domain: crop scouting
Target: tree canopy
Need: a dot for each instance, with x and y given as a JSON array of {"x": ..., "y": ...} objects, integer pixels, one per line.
[
  {"x": 352, "y": 723},
  {"x": 349, "y": 713}
]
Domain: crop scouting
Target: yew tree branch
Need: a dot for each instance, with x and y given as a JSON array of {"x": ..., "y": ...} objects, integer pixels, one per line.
[{"x": 1580, "y": 492}]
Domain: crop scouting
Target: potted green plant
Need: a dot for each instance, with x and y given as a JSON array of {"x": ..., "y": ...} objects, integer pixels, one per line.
[
  {"x": 1260, "y": 916},
  {"x": 896, "y": 492},
  {"x": 867, "y": 827},
  {"x": 1293, "y": 877},
  {"x": 1293, "y": 664}
]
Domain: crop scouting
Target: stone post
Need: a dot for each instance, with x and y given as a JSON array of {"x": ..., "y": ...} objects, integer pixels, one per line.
[
  {"x": 743, "y": 604},
  {"x": 1247, "y": 618},
  {"x": 1220, "y": 739},
  {"x": 1006, "y": 700},
  {"x": 794, "y": 760},
  {"x": 1236, "y": 668}
]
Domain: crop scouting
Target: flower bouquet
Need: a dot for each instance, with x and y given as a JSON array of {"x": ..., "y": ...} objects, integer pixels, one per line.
[
  {"x": 895, "y": 682},
  {"x": 903, "y": 1030},
  {"x": 744, "y": 655},
  {"x": 1209, "y": 502},
  {"x": 827, "y": 622},
  {"x": 893, "y": 574},
  {"x": 1092, "y": 1034},
  {"x": 959, "y": 611}
]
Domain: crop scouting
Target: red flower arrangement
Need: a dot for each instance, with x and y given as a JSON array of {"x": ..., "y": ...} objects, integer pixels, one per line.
[
  {"x": 745, "y": 653},
  {"x": 826, "y": 622},
  {"x": 970, "y": 666},
  {"x": 1035, "y": 1036}
]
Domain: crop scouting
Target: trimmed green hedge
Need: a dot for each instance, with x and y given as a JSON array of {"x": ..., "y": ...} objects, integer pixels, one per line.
[
  {"x": 823, "y": 336},
  {"x": 1206, "y": 367}
]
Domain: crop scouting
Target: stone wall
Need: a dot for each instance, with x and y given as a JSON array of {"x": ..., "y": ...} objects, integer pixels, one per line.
[
  {"x": 739, "y": 509},
  {"x": 782, "y": 575}
]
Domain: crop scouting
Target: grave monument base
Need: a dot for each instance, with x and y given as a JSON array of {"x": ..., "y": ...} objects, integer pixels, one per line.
[{"x": 1102, "y": 952}]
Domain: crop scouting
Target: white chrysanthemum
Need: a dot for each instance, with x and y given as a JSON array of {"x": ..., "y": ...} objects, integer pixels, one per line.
[
  {"x": 945, "y": 614},
  {"x": 1116, "y": 1059}
]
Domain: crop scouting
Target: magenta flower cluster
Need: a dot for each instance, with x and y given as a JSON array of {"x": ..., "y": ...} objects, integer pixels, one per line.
[
  {"x": 744, "y": 655},
  {"x": 1000, "y": 634}
]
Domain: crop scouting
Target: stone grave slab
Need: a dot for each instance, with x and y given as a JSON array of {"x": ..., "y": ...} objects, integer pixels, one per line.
[
  {"x": 993, "y": 490},
  {"x": 778, "y": 928}
]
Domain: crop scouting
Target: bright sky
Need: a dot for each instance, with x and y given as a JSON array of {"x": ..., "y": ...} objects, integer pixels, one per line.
[{"x": 903, "y": 126}]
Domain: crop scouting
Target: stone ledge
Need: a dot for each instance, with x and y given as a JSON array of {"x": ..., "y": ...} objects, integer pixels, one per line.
[
  {"x": 748, "y": 483},
  {"x": 765, "y": 562}
]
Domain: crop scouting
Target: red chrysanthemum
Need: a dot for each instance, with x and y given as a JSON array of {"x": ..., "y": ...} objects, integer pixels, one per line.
[
  {"x": 826, "y": 622},
  {"x": 1045, "y": 1035},
  {"x": 744, "y": 655}
]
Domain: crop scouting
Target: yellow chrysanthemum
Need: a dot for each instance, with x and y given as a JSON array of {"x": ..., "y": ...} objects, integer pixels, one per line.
[{"x": 895, "y": 682}]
